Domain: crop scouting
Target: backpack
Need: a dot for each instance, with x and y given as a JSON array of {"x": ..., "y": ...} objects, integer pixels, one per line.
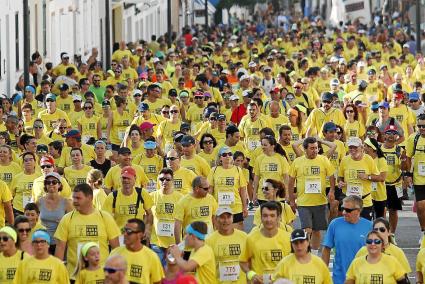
[
  {"x": 415, "y": 143},
  {"x": 138, "y": 201}
]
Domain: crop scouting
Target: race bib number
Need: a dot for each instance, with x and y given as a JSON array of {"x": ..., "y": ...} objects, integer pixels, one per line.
[
  {"x": 267, "y": 277},
  {"x": 104, "y": 134},
  {"x": 121, "y": 135},
  {"x": 399, "y": 190},
  {"x": 226, "y": 198},
  {"x": 313, "y": 186},
  {"x": 165, "y": 228},
  {"x": 85, "y": 138},
  {"x": 229, "y": 271},
  {"x": 374, "y": 186},
  {"x": 151, "y": 186},
  {"x": 25, "y": 200},
  {"x": 252, "y": 144},
  {"x": 168, "y": 147},
  {"x": 354, "y": 189},
  {"x": 421, "y": 169}
]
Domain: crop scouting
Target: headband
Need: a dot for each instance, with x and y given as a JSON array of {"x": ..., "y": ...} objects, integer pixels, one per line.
[
  {"x": 40, "y": 234},
  {"x": 10, "y": 231},
  {"x": 192, "y": 231},
  {"x": 369, "y": 143},
  {"x": 88, "y": 246}
]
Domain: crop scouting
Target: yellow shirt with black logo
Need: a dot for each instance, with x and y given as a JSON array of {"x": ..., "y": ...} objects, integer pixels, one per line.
[
  {"x": 211, "y": 158},
  {"x": 195, "y": 114},
  {"x": 21, "y": 188},
  {"x": 50, "y": 119},
  {"x": 393, "y": 165},
  {"x": 90, "y": 276},
  {"x": 88, "y": 127},
  {"x": 354, "y": 129},
  {"x": 5, "y": 196},
  {"x": 119, "y": 126},
  {"x": 33, "y": 270},
  {"x": 310, "y": 175},
  {"x": 404, "y": 115},
  {"x": 204, "y": 257},
  {"x": 336, "y": 157},
  {"x": 9, "y": 265},
  {"x": 190, "y": 209},
  {"x": 349, "y": 170},
  {"x": 7, "y": 173},
  {"x": 166, "y": 130},
  {"x": 77, "y": 229},
  {"x": 418, "y": 158},
  {"x": 183, "y": 180},
  {"x": 38, "y": 189},
  {"x": 277, "y": 122},
  {"x": 273, "y": 167},
  {"x": 126, "y": 207},
  {"x": 197, "y": 164},
  {"x": 76, "y": 177},
  {"x": 315, "y": 271},
  {"x": 151, "y": 166},
  {"x": 265, "y": 253},
  {"x": 113, "y": 177},
  {"x": 318, "y": 117},
  {"x": 250, "y": 131},
  {"x": 143, "y": 266},
  {"x": 65, "y": 158},
  {"x": 227, "y": 250},
  {"x": 387, "y": 270},
  {"x": 290, "y": 153},
  {"x": 379, "y": 191},
  {"x": 390, "y": 250},
  {"x": 226, "y": 184},
  {"x": 155, "y": 107},
  {"x": 163, "y": 210},
  {"x": 65, "y": 104}
]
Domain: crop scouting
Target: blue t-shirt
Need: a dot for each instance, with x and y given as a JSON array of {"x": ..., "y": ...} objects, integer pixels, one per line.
[{"x": 347, "y": 239}]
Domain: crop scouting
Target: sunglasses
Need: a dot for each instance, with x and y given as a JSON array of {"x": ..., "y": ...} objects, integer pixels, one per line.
[
  {"x": 373, "y": 241},
  {"x": 171, "y": 158},
  {"x": 213, "y": 119},
  {"x": 164, "y": 179},
  {"x": 208, "y": 142},
  {"x": 46, "y": 166},
  {"x": 111, "y": 270},
  {"x": 266, "y": 188},
  {"x": 380, "y": 229},
  {"x": 199, "y": 98},
  {"x": 129, "y": 231},
  {"x": 137, "y": 95},
  {"x": 349, "y": 111},
  {"x": 370, "y": 132},
  {"x": 49, "y": 101},
  {"x": 49, "y": 182},
  {"x": 349, "y": 210},
  {"x": 326, "y": 102},
  {"x": 165, "y": 112},
  {"x": 174, "y": 111},
  {"x": 24, "y": 230},
  {"x": 5, "y": 238},
  {"x": 226, "y": 155},
  {"x": 38, "y": 127},
  {"x": 413, "y": 101},
  {"x": 421, "y": 125},
  {"x": 87, "y": 108},
  {"x": 39, "y": 241},
  {"x": 205, "y": 188}
]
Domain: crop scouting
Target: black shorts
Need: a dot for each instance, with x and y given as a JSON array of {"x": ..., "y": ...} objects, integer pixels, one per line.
[
  {"x": 379, "y": 208},
  {"x": 419, "y": 192},
  {"x": 367, "y": 213},
  {"x": 338, "y": 193},
  {"x": 115, "y": 147},
  {"x": 393, "y": 201},
  {"x": 238, "y": 217}
]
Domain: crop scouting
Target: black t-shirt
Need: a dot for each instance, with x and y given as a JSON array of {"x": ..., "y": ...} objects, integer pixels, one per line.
[{"x": 104, "y": 168}]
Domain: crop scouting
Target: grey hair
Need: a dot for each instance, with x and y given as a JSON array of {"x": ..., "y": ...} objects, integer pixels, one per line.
[{"x": 356, "y": 200}]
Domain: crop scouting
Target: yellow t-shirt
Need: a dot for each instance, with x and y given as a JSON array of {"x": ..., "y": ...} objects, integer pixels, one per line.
[
  {"x": 290, "y": 153},
  {"x": 274, "y": 167},
  {"x": 197, "y": 164},
  {"x": 166, "y": 130},
  {"x": 77, "y": 229},
  {"x": 349, "y": 169},
  {"x": 210, "y": 158},
  {"x": 250, "y": 131},
  {"x": 5, "y": 196},
  {"x": 393, "y": 165},
  {"x": 9, "y": 265},
  {"x": 76, "y": 177},
  {"x": 419, "y": 158},
  {"x": 190, "y": 209},
  {"x": 310, "y": 175},
  {"x": 33, "y": 270},
  {"x": 65, "y": 158},
  {"x": 99, "y": 198},
  {"x": 354, "y": 129},
  {"x": 90, "y": 276},
  {"x": 119, "y": 126},
  {"x": 387, "y": 270},
  {"x": 420, "y": 261},
  {"x": 155, "y": 107},
  {"x": 50, "y": 120},
  {"x": 7, "y": 173},
  {"x": 113, "y": 177},
  {"x": 126, "y": 207},
  {"x": 38, "y": 188},
  {"x": 391, "y": 250},
  {"x": 152, "y": 167},
  {"x": 318, "y": 117},
  {"x": 314, "y": 271},
  {"x": 336, "y": 157},
  {"x": 227, "y": 250},
  {"x": 163, "y": 210},
  {"x": 65, "y": 104},
  {"x": 183, "y": 180},
  {"x": 226, "y": 184},
  {"x": 204, "y": 257},
  {"x": 404, "y": 115},
  {"x": 88, "y": 127},
  {"x": 379, "y": 191},
  {"x": 143, "y": 266},
  {"x": 21, "y": 188},
  {"x": 264, "y": 252}
]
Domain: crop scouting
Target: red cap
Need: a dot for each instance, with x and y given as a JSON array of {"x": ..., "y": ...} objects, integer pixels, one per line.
[
  {"x": 399, "y": 95},
  {"x": 146, "y": 125},
  {"x": 391, "y": 128},
  {"x": 275, "y": 90},
  {"x": 47, "y": 160},
  {"x": 128, "y": 172},
  {"x": 186, "y": 279}
]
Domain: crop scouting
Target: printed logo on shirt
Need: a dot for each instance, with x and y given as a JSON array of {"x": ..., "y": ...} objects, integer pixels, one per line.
[
  {"x": 165, "y": 208},
  {"x": 150, "y": 169},
  {"x": 80, "y": 180},
  {"x": 272, "y": 167},
  {"x": 352, "y": 133},
  {"x": 66, "y": 107},
  {"x": 203, "y": 211},
  {"x": 307, "y": 279},
  {"x": 10, "y": 273},
  {"x": 45, "y": 275},
  {"x": 295, "y": 137},
  {"x": 86, "y": 230},
  {"x": 376, "y": 279},
  {"x": 29, "y": 185},
  {"x": 399, "y": 118},
  {"x": 125, "y": 122},
  {"x": 229, "y": 250},
  {"x": 178, "y": 183},
  {"x": 255, "y": 131},
  {"x": 390, "y": 160},
  {"x": 136, "y": 271},
  {"x": 92, "y": 126},
  {"x": 225, "y": 181},
  {"x": 7, "y": 177},
  {"x": 314, "y": 170},
  {"x": 291, "y": 157},
  {"x": 334, "y": 156}
]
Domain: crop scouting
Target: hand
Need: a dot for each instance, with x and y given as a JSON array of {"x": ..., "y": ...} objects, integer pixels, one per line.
[
  {"x": 408, "y": 181},
  {"x": 257, "y": 279},
  {"x": 362, "y": 176},
  {"x": 341, "y": 184},
  {"x": 245, "y": 212},
  {"x": 175, "y": 251},
  {"x": 331, "y": 196},
  {"x": 293, "y": 205}
]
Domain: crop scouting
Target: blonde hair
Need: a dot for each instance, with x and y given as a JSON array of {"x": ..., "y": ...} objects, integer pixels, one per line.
[
  {"x": 94, "y": 175},
  {"x": 82, "y": 263}
]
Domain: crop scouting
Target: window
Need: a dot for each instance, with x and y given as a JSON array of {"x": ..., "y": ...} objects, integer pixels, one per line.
[{"x": 17, "y": 51}]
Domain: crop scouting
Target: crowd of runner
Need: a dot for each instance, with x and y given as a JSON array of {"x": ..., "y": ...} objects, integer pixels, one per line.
[{"x": 145, "y": 173}]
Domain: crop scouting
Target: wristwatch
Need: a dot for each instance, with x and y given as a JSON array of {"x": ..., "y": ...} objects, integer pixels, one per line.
[{"x": 369, "y": 177}]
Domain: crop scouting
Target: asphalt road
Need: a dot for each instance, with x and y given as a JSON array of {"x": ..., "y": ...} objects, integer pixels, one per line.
[{"x": 407, "y": 234}]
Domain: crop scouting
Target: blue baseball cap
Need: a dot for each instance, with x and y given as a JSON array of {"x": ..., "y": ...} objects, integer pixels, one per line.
[
  {"x": 143, "y": 107},
  {"x": 329, "y": 126},
  {"x": 224, "y": 149},
  {"x": 414, "y": 96},
  {"x": 374, "y": 106},
  {"x": 384, "y": 104}
]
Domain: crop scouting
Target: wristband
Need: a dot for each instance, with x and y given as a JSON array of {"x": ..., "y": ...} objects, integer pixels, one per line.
[{"x": 250, "y": 274}]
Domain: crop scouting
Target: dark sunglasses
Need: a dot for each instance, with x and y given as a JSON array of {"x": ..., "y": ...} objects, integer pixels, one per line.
[
  {"x": 421, "y": 125},
  {"x": 164, "y": 179},
  {"x": 349, "y": 111},
  {"x": 413, "y": 101},
  {"x": 349, "y": 210},
  {"x": 165, "y": 112},
  {"x": 174, "y": 111},
  {"x": 171, "y": 158},
  {"x": 213, "y": 119},
  {"x": 199, "y": 98},
  {"x": 380, "y": 229},
  {"x": 49, "y": 101},
  {"x": 38, "y": 127},
  {"x": 5, "y": 238},
  {"x": 111, "y": 270},
  {"x": 46, "y": 166},
  {"x": 373, "y": 241},
  {"x": 51, "y": 182},
  {"x": 86, "y": 108},
  {"x": 39, "y": 241},
  {"x": 24, "y": 230},
  {"x": 205, "y": 188},
  {"x": 129, "y": 231},
  {"x": 226, "y": 155},
  {"x": 137, "y": 95},
  {"x": 266, "y": 188},
  {"x": 208, "y": 142}
]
